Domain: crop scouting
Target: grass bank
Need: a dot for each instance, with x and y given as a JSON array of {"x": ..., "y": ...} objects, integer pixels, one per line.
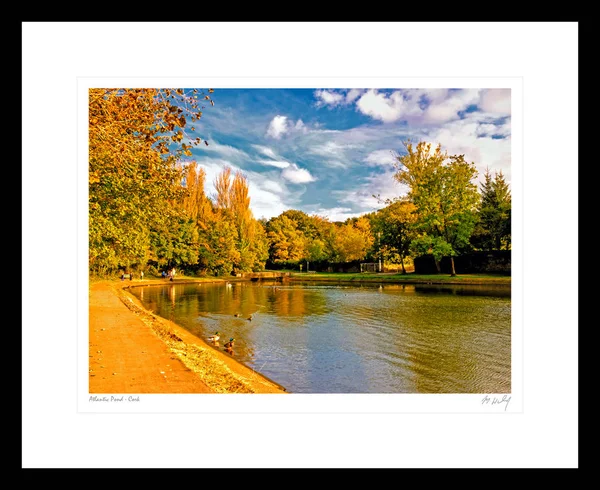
[{"x": 409, "y": 278}]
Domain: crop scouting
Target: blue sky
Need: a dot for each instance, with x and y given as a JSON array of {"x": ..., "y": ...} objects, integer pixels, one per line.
[{"x": 328, "y": 151}]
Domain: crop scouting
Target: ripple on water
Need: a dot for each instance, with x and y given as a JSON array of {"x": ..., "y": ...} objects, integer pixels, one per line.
[{"x": 332, "y": 339}]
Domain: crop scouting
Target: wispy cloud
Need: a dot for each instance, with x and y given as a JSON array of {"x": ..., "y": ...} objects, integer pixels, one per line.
[
  {"x": 330, "y": 149},
  {"x": 334, "y": 153},
  {"x": 381, "y": 157},
  {"x": 301, "y": 127},
  {"x": 265, "y": 150},
  {"x": 372, "y": 193},
  {"x": 226, "y": 150},
  {"x": 275, "y": 163}
]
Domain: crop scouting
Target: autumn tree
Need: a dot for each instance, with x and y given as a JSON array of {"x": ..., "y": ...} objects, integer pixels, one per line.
[
  {"x": 195, "y": 202},
  {"x": 306, "y": 224},
  {"x": 353, "y": 240},
  {"x": 286, "y": 242},
  {"x": 136, "y": 138},
  {"x": 441, "y": 188},
  {"x": 315, "y": 230},
  {"x": 232, "y": 199}
]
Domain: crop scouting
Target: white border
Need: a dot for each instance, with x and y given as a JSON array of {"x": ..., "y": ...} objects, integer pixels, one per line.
[
  {"x": 303, "y": 403},
  {"x": 543, "y": 54}
]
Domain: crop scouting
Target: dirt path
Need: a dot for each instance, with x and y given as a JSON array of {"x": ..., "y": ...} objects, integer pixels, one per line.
[
  {"x": 133, "y": 351},
  {"x": 127, "y": 357}
]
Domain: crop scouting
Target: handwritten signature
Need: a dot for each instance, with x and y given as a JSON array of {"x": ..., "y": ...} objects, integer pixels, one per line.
[{"x": 486, "y": 400}]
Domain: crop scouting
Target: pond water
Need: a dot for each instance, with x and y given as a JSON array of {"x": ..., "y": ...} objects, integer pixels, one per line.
[{"x": 323, "y": 338}]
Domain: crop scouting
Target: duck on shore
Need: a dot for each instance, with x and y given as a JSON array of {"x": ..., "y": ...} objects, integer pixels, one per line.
[
  {"x": 215, "y": 337},
  {"x": 229, "y": 345}
]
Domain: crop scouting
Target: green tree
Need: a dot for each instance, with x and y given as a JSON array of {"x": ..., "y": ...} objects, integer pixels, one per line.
[
  {"x": 493, "y": 231},
  {"x": 218, "y": 253},
  {"x": 395, "y": 227},
  {"x": 174, "y": 242},
  {"x": 259, "y": 247},
  {"x": 441, "y": 188}
]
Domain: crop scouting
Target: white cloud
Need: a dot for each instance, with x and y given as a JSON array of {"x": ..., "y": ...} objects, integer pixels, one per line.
[
  {"x": 265, "y": 150},
  {"x": 446, "y": 109},
  {"x": 297, "y": 175},
  {"x": 213, "y": 167},
  {"x": 336, "y": 214},
  {"x": 332, "y": 98},
  {"x": 326, "y": 97},
  {"x": 496, "y": 100},
  {"x": 281, "y": 125},
  {"x": 277, "y": 127},
  {"x": 352, "y": 95},
  {"x": 264, "y": 199},
  {"x": 489, "y": 130},
  {"x": 381, "y": 157},
  {"x": 275, "y": 163},
  {"x": 429, "y": 106},
  {"x": 387, "y": 108},
  {"x": 266, "y": 195},
  {"x": 463, "y": 137}
]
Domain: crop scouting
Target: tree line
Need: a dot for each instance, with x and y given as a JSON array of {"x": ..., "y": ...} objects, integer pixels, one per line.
[{"x": 148, "y": 209}]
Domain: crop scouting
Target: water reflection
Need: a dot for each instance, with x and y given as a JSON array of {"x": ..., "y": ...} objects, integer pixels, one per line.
[
  {"x": 388, "y": 338},
  {"x": 474, "y": 290}
]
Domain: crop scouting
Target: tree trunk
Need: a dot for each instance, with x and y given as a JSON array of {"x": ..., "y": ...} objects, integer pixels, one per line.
[
  {"x": 437, "y": 266},
  {"x": 402, "y": 262},
  {"x": 452, "y": 269}
]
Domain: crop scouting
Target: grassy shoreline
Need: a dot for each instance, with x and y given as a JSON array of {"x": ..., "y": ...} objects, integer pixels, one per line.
[
  {"x": 410, "y": 278},
  {"x": 364, "y": 277}
]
